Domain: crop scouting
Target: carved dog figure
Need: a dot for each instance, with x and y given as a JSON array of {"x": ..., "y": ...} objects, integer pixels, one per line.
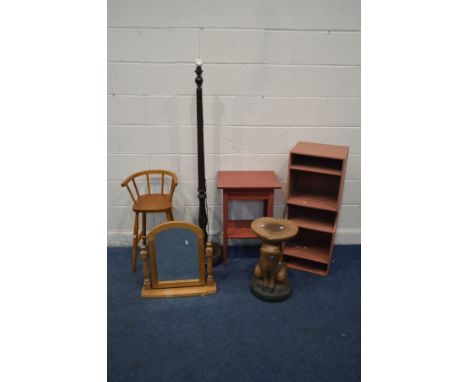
[{"x": 271, "y": 268}]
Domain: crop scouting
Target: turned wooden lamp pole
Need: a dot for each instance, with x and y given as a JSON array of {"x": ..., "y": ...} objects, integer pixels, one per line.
[{"x": 202, "y": 213}]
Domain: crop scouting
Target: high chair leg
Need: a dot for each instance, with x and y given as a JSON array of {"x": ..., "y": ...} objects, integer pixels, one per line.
[
  {"x": 169, "y": 215},
  {"x": 143, "y": 236},
  {"x": 135, "y": 243}
]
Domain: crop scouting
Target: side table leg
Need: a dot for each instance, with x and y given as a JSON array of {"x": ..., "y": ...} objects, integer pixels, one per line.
[{"x": 270, "y": 203}]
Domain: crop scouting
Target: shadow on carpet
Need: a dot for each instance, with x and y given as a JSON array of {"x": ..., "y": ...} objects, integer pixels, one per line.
[{"x": 232, "y": 336}]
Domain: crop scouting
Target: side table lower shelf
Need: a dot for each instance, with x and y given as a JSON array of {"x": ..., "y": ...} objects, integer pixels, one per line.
[{"x": 240, "y": 229}]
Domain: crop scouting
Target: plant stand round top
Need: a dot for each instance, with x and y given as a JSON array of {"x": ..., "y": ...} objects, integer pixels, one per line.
[{"x": 274, "y": 230}]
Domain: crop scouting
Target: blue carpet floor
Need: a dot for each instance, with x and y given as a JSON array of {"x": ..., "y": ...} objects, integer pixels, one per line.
[{"x": 233, "y": 336}]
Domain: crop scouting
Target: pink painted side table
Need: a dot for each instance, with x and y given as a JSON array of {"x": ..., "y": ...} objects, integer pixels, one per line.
[{"x": 245, "y": 185}]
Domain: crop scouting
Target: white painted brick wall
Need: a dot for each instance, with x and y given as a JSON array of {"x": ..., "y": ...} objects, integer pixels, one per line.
[
  {"x": 228, "y": 46},
  {"x": 275, "y": 72},
  {"x": 297, "y": 47}
]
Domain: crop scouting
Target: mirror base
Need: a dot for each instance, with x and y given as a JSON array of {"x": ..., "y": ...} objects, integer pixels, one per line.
[{"x": 179, "y": 292}]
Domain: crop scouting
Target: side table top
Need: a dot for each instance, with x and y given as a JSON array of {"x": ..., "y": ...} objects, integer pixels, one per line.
[{"x": 248, "y": 179}]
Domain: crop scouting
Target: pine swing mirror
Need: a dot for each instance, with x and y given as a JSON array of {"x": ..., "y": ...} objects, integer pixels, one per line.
[{"x": 176, "y": 262}]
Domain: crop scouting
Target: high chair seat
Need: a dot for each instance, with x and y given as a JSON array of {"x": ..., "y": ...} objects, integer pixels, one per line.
[{"x": 152, "y": 203}]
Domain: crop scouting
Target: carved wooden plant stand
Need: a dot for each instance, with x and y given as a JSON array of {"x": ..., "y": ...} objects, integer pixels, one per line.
[{"x": 270, "y": 281}]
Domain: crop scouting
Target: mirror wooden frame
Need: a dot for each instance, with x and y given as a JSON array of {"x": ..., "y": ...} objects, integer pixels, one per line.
[{"x": 204, "y": 284}]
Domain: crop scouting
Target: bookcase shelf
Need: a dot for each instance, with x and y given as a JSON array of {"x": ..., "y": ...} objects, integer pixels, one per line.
[
  {"x": 318, "y": 220},
  {"x": 316, "y": 164},
  {"x": 307, "y": 251},
  {"x": 315, "y": 187},
  {"x": 306, "y": 265},
  {"x": 322, "y": 200},
  {"x": 300, "y": 167}
]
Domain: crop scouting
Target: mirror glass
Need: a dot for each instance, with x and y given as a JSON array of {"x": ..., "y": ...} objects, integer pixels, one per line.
[{"x": 176, "y": 253}]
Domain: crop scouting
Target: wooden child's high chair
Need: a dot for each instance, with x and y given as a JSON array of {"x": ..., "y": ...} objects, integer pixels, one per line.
[{"x": 149, "y": 202}]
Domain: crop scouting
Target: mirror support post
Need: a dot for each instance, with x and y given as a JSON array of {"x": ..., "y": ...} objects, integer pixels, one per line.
[
  {"x": 209, "y": 261},
  {"x": 144, "y": 261}
]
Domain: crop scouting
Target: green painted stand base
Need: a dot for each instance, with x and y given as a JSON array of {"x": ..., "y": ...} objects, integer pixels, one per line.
[{"x": 280, "y": 293}]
